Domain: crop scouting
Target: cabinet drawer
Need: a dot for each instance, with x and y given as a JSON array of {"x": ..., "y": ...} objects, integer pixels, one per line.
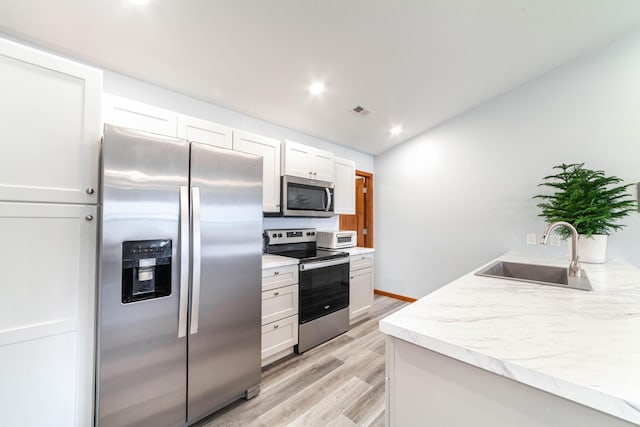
[
  {"x": 359, "y": 262},
  {"x": 278, "y": 336},
  {"x": 279, "y": 303},
  {"x": 278, "y": 277}
]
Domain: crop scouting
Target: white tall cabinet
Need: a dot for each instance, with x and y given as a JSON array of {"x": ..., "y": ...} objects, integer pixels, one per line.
[{"x": 49, "y": 147}]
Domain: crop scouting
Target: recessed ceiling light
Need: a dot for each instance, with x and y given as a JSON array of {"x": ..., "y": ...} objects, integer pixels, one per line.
[
  {"x": 316, "y": 88},
  {"x": 395, "y": 130}
]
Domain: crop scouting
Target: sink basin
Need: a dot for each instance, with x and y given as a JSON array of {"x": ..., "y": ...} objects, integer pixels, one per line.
[{"x": 539, "y": 274}]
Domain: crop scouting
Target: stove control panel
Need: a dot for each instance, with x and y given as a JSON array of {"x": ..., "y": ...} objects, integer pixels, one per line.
[{"x": 284, "y": 236}]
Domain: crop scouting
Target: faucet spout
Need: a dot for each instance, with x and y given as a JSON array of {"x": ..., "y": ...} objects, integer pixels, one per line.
[{"x": 574, "y": 267}]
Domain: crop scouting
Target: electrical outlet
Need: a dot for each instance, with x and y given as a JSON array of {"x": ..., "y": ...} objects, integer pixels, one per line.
[
  {"x": 555, "y": 240},
  {"x": 531, "y": 239}
]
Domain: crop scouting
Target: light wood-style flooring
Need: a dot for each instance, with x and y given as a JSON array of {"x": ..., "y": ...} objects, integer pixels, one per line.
[{"x": 339, "y": 383}]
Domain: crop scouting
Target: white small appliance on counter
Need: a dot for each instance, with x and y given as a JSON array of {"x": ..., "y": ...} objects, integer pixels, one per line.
[{"x": 337, "y": 239}]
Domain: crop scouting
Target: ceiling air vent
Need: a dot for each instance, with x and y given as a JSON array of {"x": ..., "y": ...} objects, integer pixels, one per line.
[{"x": 360, "y": 111}]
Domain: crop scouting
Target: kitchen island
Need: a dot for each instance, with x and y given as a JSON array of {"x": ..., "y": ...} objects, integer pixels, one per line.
[{"x": 488, "y": 351}]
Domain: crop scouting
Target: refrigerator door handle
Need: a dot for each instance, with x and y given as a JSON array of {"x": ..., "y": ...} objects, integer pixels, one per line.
[
  {"x": 195, "y": 295},
  {"x": 184, "y": 261}
]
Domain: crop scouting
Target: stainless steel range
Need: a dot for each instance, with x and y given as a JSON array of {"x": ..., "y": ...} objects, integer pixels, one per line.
[{"x": 324, "y": 285}]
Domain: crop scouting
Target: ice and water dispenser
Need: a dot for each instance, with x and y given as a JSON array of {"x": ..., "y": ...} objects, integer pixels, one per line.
[{"x": 146, "y": 270}]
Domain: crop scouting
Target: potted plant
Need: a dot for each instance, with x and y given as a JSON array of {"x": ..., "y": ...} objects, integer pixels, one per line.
[{"x": 589, "y": 200}]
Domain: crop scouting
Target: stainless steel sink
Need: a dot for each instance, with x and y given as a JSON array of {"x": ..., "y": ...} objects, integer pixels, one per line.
[{"x": 539, "y": 274}]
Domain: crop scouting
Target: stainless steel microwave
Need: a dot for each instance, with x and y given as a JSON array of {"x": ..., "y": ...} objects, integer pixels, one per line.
[{"x": 306, "y": 197}]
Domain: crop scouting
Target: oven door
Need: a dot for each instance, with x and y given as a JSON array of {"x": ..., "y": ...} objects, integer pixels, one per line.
[
  {"x": 306, "y": 197},
  {"x": 324, "y": 288}
]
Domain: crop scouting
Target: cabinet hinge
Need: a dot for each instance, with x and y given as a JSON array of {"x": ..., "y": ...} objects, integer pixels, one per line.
[
  {"x": 364, "y": 190},
  {"x": 364, "y": 231}
]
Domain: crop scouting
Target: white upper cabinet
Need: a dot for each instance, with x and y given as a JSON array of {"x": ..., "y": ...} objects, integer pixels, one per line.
[
  {"x": 50, "y": 132},
  {"x": 198, "y": 130},
  {"x": 136, "y": 115},
  {"x": 344, "y": 192},
  {"x": 269, "y": 149},
  {"x": 307, "y": 162}
]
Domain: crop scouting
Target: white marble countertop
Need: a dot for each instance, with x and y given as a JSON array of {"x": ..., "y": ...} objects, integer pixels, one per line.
[
  {"x": 271, "y": 261},
  {"x": 357, "y": 251},
  {"x": 583, "y": 346}
]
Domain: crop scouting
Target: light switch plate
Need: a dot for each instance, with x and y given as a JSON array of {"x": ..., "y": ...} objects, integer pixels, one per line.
[
  {"x": 555, "y": 240},
  {"x": 531, "y": 239}
]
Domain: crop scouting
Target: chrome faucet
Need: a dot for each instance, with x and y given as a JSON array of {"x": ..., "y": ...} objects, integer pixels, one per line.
[{"x": 574, "y": 267}]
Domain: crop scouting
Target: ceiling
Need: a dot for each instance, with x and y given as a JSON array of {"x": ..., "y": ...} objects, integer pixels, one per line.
[{"x": 414, "y": 63}]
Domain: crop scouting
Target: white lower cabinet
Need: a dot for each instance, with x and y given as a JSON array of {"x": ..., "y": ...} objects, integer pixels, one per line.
[
  {"x": 279, "y": 337},
  {"x": 47, "y": 283},
  {"x": 279, "y": 312},
  {"x": 360, "y": 286}
]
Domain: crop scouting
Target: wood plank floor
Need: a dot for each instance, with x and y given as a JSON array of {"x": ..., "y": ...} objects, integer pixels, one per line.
[{"x": 339, "y": 383}]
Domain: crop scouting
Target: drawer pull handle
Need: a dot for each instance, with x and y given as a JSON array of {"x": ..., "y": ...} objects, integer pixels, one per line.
[
  {"x": 363, "y": 257},
  {"x": 276, "y": 293},
  {"x": 326, "y": 307},
  {"x": 275, "y": 326},
  {"x": 275, "y": 273}
]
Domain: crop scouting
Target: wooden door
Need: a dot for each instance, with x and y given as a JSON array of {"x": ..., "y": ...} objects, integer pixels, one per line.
[{"x": 362, "y": 221}]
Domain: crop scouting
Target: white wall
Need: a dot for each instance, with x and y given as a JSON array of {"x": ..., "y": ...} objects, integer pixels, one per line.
[{"x": 461, "y": 194}]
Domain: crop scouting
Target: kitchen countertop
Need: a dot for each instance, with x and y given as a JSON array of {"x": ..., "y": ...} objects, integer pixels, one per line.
[
  {"x": 357, "y": 251},
  {"x": 270, "y": 261},
  {"x": 583, "y": 346}
]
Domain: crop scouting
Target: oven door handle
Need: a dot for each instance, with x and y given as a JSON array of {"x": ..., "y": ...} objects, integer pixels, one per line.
[{"x": 321, "y": 264}]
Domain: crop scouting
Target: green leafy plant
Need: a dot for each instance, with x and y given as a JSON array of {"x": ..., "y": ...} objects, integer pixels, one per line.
[{"x": 589, "y": 200}]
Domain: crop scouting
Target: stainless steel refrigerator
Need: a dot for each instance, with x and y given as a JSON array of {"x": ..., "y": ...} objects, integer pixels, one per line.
[{"x": 180, "y": 279}]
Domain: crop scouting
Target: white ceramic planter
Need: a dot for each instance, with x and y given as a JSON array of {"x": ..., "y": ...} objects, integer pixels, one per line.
[{"x": 593, "y": 249}]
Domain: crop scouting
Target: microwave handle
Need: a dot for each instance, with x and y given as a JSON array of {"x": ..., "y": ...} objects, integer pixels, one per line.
[{"x": 328, "y": 199}]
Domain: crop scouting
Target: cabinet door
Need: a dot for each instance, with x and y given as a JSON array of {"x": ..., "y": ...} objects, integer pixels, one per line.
[
  {"x": 297, "y": 160},
  {"x": 360, "y": 292},
  {"x": 269, "y": 149},
  {"x": 136, "y": 115},
  {"x": 344, "y": 191},
  {"x": 47, "y": 283},
  {"x": 322, "y": 165},
  {"x": 198, "y": 130},
  {"x": 50, "y": 132},
  {"x": 279, "y": 336}
]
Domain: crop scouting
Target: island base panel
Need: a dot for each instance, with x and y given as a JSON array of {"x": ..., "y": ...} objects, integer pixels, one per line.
[{"x": 425, "y": 388}]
